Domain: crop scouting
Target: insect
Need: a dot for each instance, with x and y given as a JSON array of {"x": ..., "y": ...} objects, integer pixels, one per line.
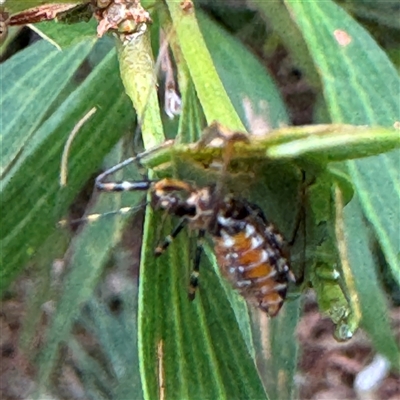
[{"x": 250, "y": 251}]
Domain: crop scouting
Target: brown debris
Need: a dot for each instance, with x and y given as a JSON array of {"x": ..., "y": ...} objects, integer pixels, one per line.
[{"x": 327, "y": 368}]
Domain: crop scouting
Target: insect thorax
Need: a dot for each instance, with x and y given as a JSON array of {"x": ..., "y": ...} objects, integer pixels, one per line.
[{"x": 178, "y": 198}]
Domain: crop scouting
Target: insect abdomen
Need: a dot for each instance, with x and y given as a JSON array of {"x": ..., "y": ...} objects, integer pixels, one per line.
[{"x": 250, "y": 257}]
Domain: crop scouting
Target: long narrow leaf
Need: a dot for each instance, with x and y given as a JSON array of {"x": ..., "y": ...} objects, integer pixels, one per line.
[
  {"x": 250, "y": 88},
  {"x": 361, "y": 86},
  {"x": 34, "y": 179},
  {"x": 31, "y": 81},
  {"x": 87, "y": 256},
  {"x": 210, "y": 90}
]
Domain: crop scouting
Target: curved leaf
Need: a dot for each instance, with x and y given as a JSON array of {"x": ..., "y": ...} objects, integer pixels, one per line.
[
  {"x": 204, "y": 354},
  {"x": 138, "y": 76},
  {"x": 31, "y": 82},
  {"x": 361, "y": 86},
  {"x": 33, "y": 179},
  {"x": 14, "y": 6},
  {"x": 337, "y": 143},
  {"x": 210, "y": 90},
  {"x": 321, "y": 144},
  {"x": 256, "y": 100},
  {"x": 65, "y": 35},
  {"x": 206, "y": 349},
  {"x": 374, "y": 319},
  {"x": 87, "y": 256}
]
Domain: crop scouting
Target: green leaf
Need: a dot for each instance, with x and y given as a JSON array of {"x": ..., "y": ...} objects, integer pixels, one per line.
[
  {"x": 137, "y": 72},
  {"x": 379, "y": 192},
  {"x": 281, "y": 364},
  {"x": 372, "y": 298},
  {"x": 14, "y": 6},
  {"x": 332, "y": 282},
  {"x": 278, "y": 17},
  {"x": 318, "y": 144},
  {"x": 210, "y": 90},
  {"x": 257, "y": 101},
  {"x": 204, "y": 354},
  {"x": 360, "y": 87},
  {"x": 384, "y": 13},
  {"x": 33, "y": 179},
  {"x": 65, "y": 35},
  {"x": 338, "y": 143},
  {"x": 221, "y": 364},
  {"x": 360, "y": 83},
  {"x": 31, "y": 82},
  {"x": 117, "y": 337},
  {"x": 87, "y": 256}
]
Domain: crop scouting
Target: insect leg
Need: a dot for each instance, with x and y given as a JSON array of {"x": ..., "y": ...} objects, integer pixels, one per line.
[
  {"x": 124, "y": 186},
  {"x": 218, "y": 131},
  {"x": 120, "y": 186},
  {"x": 194, "y": 276},
  {"x": 168, "y": 239},
  {"x": 127, "y": 185}
]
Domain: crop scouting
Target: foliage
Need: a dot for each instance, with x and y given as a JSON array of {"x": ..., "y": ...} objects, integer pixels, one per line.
[{"x": 208, "y": 348}]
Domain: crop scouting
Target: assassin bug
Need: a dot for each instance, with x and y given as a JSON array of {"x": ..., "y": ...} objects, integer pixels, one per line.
[{"x": 249, "y": 249}]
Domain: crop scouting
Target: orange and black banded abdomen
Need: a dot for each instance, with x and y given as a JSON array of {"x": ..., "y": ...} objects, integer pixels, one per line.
[{"x": 250, "y": 254}]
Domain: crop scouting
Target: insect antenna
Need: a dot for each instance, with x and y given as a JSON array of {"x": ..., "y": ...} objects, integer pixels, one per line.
[{"x": 96, "y": 216}]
